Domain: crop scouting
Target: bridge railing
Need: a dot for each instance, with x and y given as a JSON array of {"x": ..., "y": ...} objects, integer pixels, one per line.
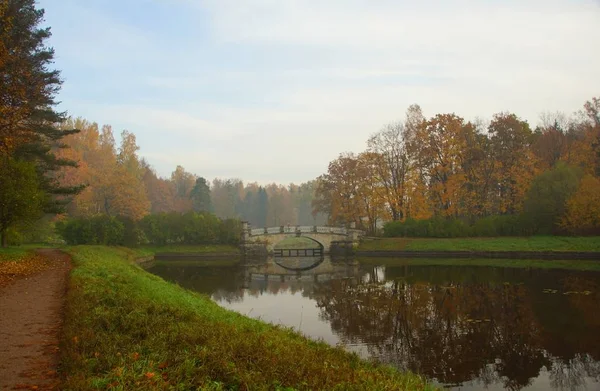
[{"x": 300, "y": 228}]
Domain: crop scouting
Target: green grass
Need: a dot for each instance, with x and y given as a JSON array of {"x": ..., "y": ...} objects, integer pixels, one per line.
[
  {"x": 15, "y": 253},
  {"x": 297, "y": 242},
  {"x": 512, "y": 263},
  {"x": 127, "y": 329},
  {"x": 198, "y": 249},
  {"x": 533, "y": 243}
]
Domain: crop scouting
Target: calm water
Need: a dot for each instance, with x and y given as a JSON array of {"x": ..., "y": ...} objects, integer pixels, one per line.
[{"x": 463, "y": 327}]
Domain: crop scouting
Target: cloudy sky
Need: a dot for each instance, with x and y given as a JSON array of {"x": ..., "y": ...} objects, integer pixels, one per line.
[{"x": 272, "y": 90}]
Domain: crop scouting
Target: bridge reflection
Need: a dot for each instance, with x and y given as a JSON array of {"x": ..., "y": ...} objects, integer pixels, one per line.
[{"x": 300, "y": 269}]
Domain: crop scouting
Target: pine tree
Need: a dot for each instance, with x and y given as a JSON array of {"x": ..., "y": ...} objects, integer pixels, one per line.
[
  {"x": 200, "y": 196},
  {"x": 29, "y": 123}
]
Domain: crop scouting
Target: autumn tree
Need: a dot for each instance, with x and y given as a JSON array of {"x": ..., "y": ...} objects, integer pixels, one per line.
[
  {"x": 514, "y": 161},
  {"x": 440, "y": 144},
  {"x": 551, "y": 143},
  {"x": 347, "y": 193},
  {"x": 582, "y": 213},
  {"x": 370, "y": 193},
  {"x": 127, "y": 157},
  {"x": 28, "y": 121},
  {"x": 393, "y": 168},
  {"x": 183, "y": 182},
  {"x": 586, "y": 144},
  {"x": 336, "y": 193}
]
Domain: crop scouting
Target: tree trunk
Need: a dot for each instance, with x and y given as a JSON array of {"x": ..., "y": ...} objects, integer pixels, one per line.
[{"x": 3, "y": 239}]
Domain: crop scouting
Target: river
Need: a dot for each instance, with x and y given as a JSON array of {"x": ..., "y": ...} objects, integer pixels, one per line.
[{"x": 463, "y": 327}]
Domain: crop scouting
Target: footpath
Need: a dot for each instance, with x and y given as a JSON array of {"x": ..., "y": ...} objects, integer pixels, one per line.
[{"x": 31, "y": 314}]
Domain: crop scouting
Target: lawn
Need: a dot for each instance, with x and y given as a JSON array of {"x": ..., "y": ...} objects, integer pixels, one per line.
[
  {"x": 533, "y": 243},
  {"x": 127, "y": 329}
]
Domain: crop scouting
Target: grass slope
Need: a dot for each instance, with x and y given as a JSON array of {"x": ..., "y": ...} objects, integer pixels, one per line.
[
  {"x": 533, "y": 243},
  {"x": 127, "y": 329}
]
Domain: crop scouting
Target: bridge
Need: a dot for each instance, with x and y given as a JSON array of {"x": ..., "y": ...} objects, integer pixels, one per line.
[{"x": 324, "y": 236}]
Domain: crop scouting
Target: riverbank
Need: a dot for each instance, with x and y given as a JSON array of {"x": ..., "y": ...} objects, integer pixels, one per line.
[
  {"x": 514, "y": 244},
  {"x": 583, "y": 265},
  {"x": 128, "y": 329}
]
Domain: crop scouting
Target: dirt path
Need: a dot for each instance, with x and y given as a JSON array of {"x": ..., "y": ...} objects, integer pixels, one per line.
[{"x": 30, "y": 319}]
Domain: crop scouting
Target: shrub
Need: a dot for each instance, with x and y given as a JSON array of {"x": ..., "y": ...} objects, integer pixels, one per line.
[
  {"x": 158, "y": 229},
  {"x": 439, "y": 227}
]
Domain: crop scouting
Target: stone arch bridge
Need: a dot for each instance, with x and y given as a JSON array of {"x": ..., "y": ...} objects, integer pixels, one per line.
[{"x": 323, "y": 235}]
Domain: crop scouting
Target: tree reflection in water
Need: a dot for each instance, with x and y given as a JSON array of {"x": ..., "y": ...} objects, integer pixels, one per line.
[
  {"x": 472, "y": 327},
  {"x": 488, "y": 330}
]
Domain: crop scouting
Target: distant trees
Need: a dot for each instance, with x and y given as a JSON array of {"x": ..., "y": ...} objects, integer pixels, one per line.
[
  {"x": 200, "y": 196},
  {"x": 122, "y": 185}
]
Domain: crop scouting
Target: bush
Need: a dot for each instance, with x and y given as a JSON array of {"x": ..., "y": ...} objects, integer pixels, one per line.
[
  {"x": 94, "y": 230},
  {"x": 546, "y": 201},
  {"x": 439, "y": 227},
  {"x": 159, "y": 229}
]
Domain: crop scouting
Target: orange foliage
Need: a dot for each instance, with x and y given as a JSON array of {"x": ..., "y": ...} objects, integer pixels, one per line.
[{"x": 583, "y": 208}]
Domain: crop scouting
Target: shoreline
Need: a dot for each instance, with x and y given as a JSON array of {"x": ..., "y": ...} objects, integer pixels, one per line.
[{"x": 539, "y": 255}]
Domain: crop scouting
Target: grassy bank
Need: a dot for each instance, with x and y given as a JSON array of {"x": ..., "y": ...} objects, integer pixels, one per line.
[
  {"x": 533, "y": 243},
  {"x": 127, "y": 329},
  {"x": 512, "y": 263}
]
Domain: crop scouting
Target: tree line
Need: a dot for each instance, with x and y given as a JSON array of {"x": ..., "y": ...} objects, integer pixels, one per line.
[
  {"x": 445, "y": 171},
  {"x": 415, "y": 173},
  {"x": 52, "y": 164},
  {"x": 121, "y": 183}
]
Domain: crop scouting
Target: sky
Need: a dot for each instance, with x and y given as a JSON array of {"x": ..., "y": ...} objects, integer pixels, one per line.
[{"x": 273, "y": 90}]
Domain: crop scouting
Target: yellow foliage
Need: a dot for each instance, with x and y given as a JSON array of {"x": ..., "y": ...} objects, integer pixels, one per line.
[{"x": 583, "y": 208}]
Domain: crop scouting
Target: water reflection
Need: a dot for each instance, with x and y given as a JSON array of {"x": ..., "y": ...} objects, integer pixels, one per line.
[{"x": 466, "y": 327}]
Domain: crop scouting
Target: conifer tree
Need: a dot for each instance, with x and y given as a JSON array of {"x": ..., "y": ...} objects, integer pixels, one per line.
[{"x": 29, "y": 121}]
